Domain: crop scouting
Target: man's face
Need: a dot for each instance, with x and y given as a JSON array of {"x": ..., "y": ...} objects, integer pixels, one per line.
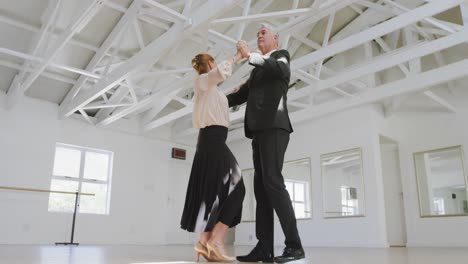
[{"x": 266, "y": 40}]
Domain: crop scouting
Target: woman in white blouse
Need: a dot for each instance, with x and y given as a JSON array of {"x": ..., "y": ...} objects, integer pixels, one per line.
[{"x": 215, "y": 190}]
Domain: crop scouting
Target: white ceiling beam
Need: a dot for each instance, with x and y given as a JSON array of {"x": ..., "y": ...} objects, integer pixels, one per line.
[
  {"x": 158, "y": 106},
  {"x": 326, "y": 38},
  {"x": 162, "y": 72},
  {"x": 168, "y": 91},
  {"x": 110, "y": 66},
  {"x": 356, "y": 9},
  {"x": 432, "y": 21},
  {"x": 245, "y": 12},
  {"x": 369, "y": 55},
  {"x": 176, "y": 3},
  {"x": 393, "y": 38},
  {"x": 441, "y": 62},
  {"x": 288, "y": 36},
  {"x": 143, "y": 14},
  {"x": 314, "y": 16},
  {"x": 14, "y": 92},
  {"x": 76, "y": 27},
  {"x": 307, "y": 41},
  {"x": 164, "y": 99},
  {"x": 438, "y": 55},
  {"x": 131, "y": 89},
  {"x": 464, "y": 11},
  {"x": 116, "y": 32},
  {"x": 387, "y": 49},
  {"x": 159, "y": 16},
  {"x": 36, "y": 29},
  {"x": 138, "y": 33},
  {"x": 379, "y": 30},
  {"x": 51, "y": 12},
  {"x": 441, "y": 101},
  {"x": 256, "y": 17},
  {"x": 178, "y": 16},
  {"x": 395, "y": 58},
  {"x": 153, "y": 21},
  {"x": 415, "y": 66},
  {"x": 152, "y": 52},
  {"x": 102, "y": 105},
  {"x": 115, "y": 99},
  {"x": 409, "y": 37},
  {"x": 183, "y": 101},
  {"x": 87, "y": 117},
  {"x": 431, "y": 30},
  {"x": 375, "y": 6},
  {"x": 221, "y": 39},
  {"x": 169, "y": 118},
  {"x": 52, "y": 76},
  {"x": 411, "y": 84},
  {"x": 360, "y": 85},
  {"x": 367, "y": 19},
  {"x": 52, "y": 65}
]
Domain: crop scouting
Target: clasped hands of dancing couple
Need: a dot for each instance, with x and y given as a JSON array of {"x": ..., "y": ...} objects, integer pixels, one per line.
[{"x": 216, "y": 190}]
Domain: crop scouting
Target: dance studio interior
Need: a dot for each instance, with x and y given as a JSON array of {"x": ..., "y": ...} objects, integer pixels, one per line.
[{"x": 97, "y": 139}]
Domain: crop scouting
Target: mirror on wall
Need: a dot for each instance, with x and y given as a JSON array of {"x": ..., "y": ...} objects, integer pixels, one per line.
[
  {"x": 442, "y": 182},
  {"x": 297, "y": 178},
  {"x": 343, "y": 185}
]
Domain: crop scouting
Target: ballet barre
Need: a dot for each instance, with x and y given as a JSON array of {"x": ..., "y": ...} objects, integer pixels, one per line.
[
  {"x": 41, "y": 190},
  {"x": 77, "y": 194}
]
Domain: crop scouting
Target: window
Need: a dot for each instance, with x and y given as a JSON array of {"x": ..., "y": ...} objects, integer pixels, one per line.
[
  {"x": 349, "y": 202},
  {"x": 439, "y": 206},
  {"x": 299, "y": 193},
  {"x": 84, "y": 170}
]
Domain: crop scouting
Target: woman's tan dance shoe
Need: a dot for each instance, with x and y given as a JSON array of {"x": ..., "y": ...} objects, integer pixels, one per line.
[
  {"x": 201, "y": 249},
  {"x": 216, "y": 252}
]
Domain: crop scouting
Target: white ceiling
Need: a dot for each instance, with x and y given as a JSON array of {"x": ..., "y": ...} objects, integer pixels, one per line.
[{"x": 118, "y": 59}]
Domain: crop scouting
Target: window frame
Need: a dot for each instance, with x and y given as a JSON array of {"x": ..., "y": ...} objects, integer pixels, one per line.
[
  {"x": 292, "y": 195},
  {"x": 80, "y": 180}
]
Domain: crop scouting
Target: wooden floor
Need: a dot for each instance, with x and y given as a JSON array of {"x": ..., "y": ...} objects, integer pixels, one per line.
[{"x": 183, "y": 254}]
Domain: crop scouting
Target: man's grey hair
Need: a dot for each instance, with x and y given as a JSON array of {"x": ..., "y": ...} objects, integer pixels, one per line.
[{"x": 269, "y": 27}]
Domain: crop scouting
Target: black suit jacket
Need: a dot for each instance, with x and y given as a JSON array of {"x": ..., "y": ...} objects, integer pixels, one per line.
[{"x": 266, "y": 95}]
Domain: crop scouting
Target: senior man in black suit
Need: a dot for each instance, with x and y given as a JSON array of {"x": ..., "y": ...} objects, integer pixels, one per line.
[{"x": 267, "y": 123}]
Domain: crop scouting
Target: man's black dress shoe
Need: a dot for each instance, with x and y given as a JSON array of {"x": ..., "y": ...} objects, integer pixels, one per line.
[
  {"x": 257, "y": 254},
  {"x": 290, "y": 254}
]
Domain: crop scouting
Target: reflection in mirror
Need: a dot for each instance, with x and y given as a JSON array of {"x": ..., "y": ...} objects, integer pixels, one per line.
[
  {"x": 297, "y": 179},
  {"x": 249, "y": 204},
  {"x": 343, "y": 188},
  {"x": 441, "y": 182}
]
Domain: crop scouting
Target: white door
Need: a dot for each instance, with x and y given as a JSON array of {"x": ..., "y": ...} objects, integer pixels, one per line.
[{"x": 394, "y": 206}]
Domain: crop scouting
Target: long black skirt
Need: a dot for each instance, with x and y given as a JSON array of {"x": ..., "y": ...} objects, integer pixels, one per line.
[{"x": 215, "y": 191}]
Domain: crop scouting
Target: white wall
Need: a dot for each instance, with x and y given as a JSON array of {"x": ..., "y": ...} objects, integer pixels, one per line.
[
  {"x": 178, "y": 181},
  {"x": 394, "y": 206},
  {"x": 417, "y": 132},
  {"x": 28, "y": 134},
  {"x": 352, "y": 129}
]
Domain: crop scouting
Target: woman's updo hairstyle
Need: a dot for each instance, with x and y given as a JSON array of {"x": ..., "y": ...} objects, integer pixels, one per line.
[{"x": 200, "y": 62}]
